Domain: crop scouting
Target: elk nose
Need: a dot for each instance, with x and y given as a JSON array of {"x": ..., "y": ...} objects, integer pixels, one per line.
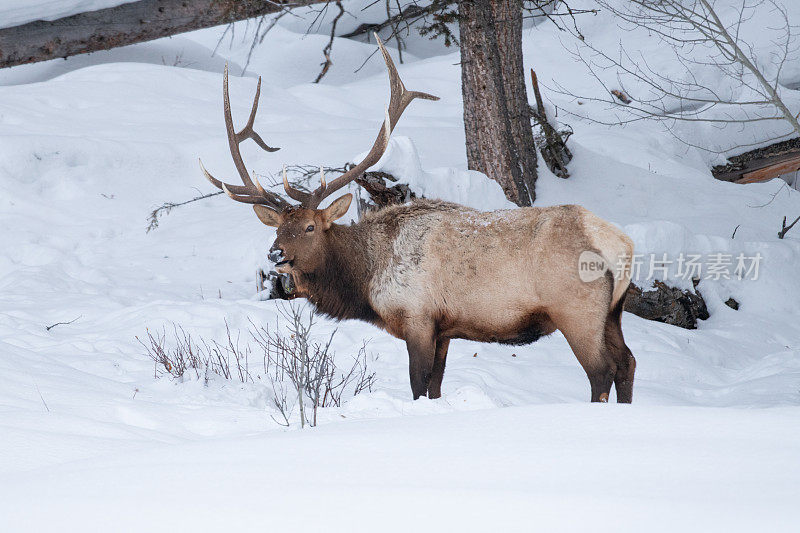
[{"x": 276, "y": 255}]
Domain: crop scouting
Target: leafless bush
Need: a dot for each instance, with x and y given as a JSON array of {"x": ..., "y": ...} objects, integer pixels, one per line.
[
  {"x": 309, "y": 367},
  {"x": 301, "y": 374},
  {"x": 202, "y": 358}
]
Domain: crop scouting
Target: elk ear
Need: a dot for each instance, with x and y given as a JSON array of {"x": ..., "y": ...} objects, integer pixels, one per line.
[
  {"x": 337, "y": 209},
  {"x": 268, "y": 216}
]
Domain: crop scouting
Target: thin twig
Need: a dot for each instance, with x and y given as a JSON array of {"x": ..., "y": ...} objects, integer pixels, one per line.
[
  {"x": 395, "y": 29},
  {"x": 785, "y": 229},
  {"x": 327, "y": 50},
  {"x": 48, "y": 328},
  {"x": 169, "y": 206},
  {"x": 41, "y": 397},
  {"x": 773, "y": 196},
  {"x": 540, "y": 6}
]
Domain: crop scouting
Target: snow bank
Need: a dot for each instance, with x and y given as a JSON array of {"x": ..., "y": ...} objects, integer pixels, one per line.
[{"x": 466, "y": 187}]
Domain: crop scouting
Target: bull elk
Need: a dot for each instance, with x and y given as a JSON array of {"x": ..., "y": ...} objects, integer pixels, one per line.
[{"x": 429, "y": 271}]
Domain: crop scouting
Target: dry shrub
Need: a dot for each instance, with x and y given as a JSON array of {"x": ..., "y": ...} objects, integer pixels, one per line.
[{"x": 301, "y": 374}]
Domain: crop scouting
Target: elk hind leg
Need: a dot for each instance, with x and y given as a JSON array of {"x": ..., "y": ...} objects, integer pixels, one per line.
[
  {"x": 585, "y": 336},
  {"x": 620, "y": 354}
]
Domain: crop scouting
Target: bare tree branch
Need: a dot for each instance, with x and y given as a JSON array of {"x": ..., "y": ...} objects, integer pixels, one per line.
[
  {"x": 327, "y": 50},
  {"x": 785, "y": 229},
  {"x": 699, "y": 39}
]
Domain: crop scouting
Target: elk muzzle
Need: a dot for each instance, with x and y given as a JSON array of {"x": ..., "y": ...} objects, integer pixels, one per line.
[
  {"x": 283, "y": 264},
  {"x": 276, "y": 255}
]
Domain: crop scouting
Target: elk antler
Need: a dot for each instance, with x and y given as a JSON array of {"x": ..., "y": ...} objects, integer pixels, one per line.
[
  {"x": 398, "y": 101},
  {"x": 251, "y": 192}
]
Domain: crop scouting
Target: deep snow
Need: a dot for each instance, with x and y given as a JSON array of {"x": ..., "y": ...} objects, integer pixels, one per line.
[{"x": 89, "y": 440}]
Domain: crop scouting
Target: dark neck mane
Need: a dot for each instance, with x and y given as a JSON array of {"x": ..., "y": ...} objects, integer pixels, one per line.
[{"x": 339, "y": 288}]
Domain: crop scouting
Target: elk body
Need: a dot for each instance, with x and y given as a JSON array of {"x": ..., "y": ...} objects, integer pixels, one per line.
[{"x": 430, "y": 271}]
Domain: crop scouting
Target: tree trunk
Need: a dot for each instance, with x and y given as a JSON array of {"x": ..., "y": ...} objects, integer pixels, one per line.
[
  {"x": 122, "y": 25},
  {"x": 496, "y": 114}
]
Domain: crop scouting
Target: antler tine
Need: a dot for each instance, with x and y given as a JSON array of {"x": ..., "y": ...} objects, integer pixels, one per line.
[
  {"x": 251, "y": 192},
  {"x": 249, "y": 199},
  {"x": 398, "y": 101},
  {"x": 248, "y": 132},
  {"x": 399, "y": 97},
  {"x": 255, "y": 195},
  {"x": 236, "y": 189},
  {"x": 293, "y": 193},
  {"x": 233, "y": 138}
]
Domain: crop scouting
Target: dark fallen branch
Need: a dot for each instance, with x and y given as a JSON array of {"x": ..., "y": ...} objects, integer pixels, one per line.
[
  {"x": 48, "y": 328},
  {"x": 666, "y": 304},
  {"x": 436, "y": 17},
  {"x": 785, "y": 229},
  {"x": 327, "y": 50},
  {"x": 552, "y": 144},
  {"x": 383, "y": 194},
  {"x": 411, "y": 14}
]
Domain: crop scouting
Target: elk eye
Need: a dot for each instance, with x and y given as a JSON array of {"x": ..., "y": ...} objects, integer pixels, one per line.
[{"x": 310, "y": 228}]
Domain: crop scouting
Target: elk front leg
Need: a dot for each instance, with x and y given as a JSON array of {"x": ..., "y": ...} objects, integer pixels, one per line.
[{"x": 421, "y": 346}]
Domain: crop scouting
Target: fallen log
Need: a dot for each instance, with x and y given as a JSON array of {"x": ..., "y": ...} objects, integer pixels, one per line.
[
  {"x": 666, "y": 304},
  {"x": 130, "y": 23},
  {"x": 788, "y": 163},
  {"x": 761, "y": 164}
]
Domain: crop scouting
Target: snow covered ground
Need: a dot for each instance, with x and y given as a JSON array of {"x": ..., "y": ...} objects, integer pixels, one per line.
[{"x": 90, "y": 441}]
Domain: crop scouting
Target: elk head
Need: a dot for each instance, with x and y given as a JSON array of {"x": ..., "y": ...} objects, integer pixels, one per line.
[{"x": 301, "y": 234}]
